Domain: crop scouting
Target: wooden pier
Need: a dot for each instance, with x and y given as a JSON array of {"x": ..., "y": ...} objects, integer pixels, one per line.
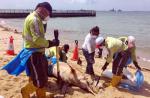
[{"x": 21, "y": 13}]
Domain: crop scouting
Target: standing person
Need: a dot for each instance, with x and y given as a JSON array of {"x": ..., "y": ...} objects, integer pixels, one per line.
[
  {"x": 88, "y": 49},
  {"x": 121, "y": 53},
  {"x": 33, "y": 35}
]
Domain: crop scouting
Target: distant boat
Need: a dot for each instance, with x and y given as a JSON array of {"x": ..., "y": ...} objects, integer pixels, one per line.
[
  {"x": 112, "y": 10},
  {"x": 119, "y": 10}
]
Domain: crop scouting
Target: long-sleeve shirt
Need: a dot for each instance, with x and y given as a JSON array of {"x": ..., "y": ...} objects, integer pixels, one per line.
[
  {"x": 89, "y": 44},
  {"x": 132, "y": 50},
  {"x": 33, "y": 32},
  {"x": 113, "y": 45}
]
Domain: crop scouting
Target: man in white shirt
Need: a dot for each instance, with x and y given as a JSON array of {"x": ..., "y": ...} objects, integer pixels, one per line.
[{"x": 88, "y": 49}]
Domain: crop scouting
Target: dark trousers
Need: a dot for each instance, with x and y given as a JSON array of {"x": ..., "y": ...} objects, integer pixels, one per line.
[
  {"x": 120, "y": 61},
  {"x": 38, "y": 66},
  {"x": 90, "y": 61}
]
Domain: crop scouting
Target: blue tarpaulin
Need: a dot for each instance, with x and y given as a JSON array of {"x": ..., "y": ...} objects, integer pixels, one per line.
[
  {"x": 18, "y": 64},
  {"x": 139, "y": 81}
]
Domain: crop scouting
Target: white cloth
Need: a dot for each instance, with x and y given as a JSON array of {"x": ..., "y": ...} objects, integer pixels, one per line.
[
  {"x": 108, "y": 73},
  {"x": 131, "y": 78},
  {"x": 89, "y": 43}
]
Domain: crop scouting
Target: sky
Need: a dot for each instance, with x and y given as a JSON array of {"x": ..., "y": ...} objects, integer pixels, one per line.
[{"x": 127, "y": 5}]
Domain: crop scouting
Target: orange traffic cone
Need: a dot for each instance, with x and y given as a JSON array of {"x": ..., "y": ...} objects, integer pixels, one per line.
[
  {"x": 75, "y": 52},
  {"x": 10, "y": 50}
]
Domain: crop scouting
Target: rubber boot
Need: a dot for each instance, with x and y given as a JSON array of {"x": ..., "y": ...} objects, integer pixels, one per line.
[
  {"x": 41, "y": 93},
  {"x": 115, "y": 80},
  {"x": 27, "y": 90}
]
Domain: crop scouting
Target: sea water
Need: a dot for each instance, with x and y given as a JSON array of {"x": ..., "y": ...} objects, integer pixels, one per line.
[{"x": 114, "y": 24}]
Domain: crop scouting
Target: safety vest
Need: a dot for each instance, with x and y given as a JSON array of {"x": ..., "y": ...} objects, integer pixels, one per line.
[
  {"x": 52, "y": 52},
  {"x": 33, "y": 33},
  {"x": 113, "y": 46}
]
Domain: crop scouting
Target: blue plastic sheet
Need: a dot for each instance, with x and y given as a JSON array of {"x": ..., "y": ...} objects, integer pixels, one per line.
[
  {"x": 139, "y": 81},
  {"x": 52, "y": 59},
  {"x": 18, "y": 64}
]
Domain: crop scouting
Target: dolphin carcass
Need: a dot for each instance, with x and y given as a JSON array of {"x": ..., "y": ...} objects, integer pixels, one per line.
[{"x": 76, "y": 77}]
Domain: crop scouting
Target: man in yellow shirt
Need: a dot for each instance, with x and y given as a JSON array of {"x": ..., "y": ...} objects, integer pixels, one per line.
[
  {"x": 121, "y": 51},
  {"x": 34, "y": 38}
]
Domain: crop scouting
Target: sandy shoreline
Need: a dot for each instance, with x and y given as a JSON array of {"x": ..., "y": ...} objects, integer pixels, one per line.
[{"x": 11, "y": 85}]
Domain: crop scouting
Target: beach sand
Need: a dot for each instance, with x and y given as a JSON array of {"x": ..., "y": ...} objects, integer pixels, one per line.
[{"x": 10, "y": 86}]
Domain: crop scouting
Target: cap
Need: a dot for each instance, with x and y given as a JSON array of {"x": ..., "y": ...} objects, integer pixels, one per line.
[
  {"x": 99, "y": 40},
  {"x": 131, "y": 39},
  {"x": 45, "y": 5}
]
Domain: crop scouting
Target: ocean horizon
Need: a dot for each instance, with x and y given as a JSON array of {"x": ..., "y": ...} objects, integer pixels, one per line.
[{"x": 113, "y": 24}]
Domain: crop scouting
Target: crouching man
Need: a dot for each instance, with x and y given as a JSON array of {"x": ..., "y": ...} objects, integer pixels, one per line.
[{"x": 120, "y": 51}]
